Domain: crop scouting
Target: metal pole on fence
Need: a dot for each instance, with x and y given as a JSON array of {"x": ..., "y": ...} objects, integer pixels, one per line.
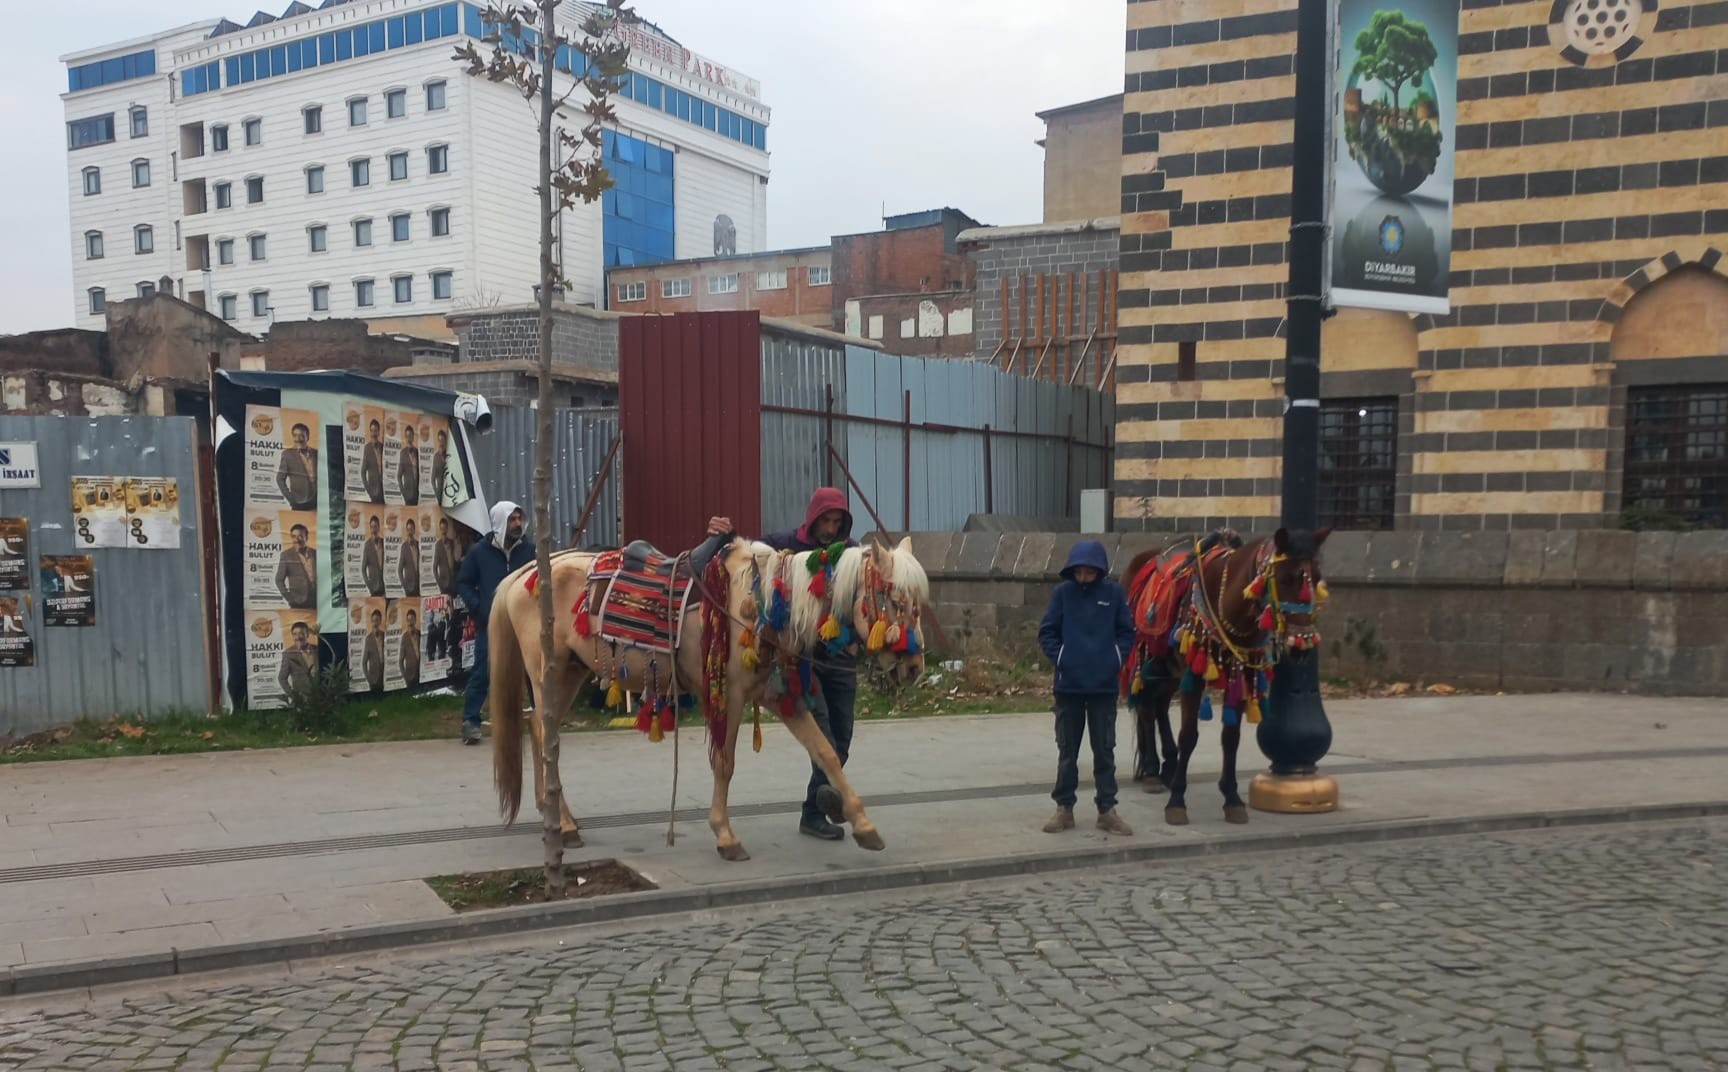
[
  {"x": 989, "y": 484},
  {"x": 907, "y": 517},
  {"x": 828, "y": 436},
  {"x": 1295, "y": 734}
]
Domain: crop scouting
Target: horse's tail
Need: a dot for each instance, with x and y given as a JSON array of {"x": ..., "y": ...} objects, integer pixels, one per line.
[{"x": 508, "y": 672}]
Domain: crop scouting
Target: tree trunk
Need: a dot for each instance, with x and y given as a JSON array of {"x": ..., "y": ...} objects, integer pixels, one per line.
[{"x": 547, "y": 712}]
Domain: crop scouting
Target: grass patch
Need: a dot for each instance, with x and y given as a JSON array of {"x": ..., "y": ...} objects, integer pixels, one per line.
[{"x": 527, "y": 885}]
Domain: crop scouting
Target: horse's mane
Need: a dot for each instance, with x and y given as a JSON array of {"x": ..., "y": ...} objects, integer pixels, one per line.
[{"x": 908, "y": 577}]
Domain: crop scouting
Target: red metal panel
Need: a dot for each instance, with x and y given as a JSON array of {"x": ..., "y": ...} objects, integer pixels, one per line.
[{"x": 690, "y": 413}]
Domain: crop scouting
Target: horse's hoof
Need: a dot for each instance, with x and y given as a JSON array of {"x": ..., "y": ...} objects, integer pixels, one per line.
[
  {"x": 1236, "y": 813},
  {"x": 869, "y": 839},
  {"x": 1153, "y": 785},
  {"x": 1176, "y": 816},
  {"x": 733, "y": 853}
]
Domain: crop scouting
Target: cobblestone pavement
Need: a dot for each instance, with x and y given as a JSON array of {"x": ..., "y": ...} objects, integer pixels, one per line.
[{"x": 1602, "y": 949}]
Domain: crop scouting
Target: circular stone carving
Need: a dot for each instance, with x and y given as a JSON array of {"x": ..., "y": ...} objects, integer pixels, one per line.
[{"x": 1598, "y": 27}]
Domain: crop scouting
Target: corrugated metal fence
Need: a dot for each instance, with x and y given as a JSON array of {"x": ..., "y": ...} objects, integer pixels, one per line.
[
  {"x": 146, "y": 654},
  {"x": 504, "y": 459}
]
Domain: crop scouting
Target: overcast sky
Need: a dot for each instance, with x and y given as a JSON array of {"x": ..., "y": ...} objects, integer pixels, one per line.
[{"x": 910, "y": 103}]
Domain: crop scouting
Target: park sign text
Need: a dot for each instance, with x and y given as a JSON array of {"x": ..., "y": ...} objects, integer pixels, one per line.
[{"x": 18, "y": 467}]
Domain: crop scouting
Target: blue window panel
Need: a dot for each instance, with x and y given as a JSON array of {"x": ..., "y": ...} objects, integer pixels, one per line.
[
  {"x": 248, "y": 67},
  {"x": 659, "y": 187},
  {"x": 344, "y": 45},
  {"x": 111, "y": 71},
  {"x": 761, "y": 137},
  {"x": 309, "y": 53},
  {"x": 260, "y": 64},
  {"x": 471, "y": 24},
  {"x": 295, "y": 52},
  {"x": 375, "y": 35},
  {"x": 188, "y": 83},
  {"x": 654, "y": 89},
  {"x": 326, "y": 48},
  {"x": 395, "y": 34},
  {"x": 279, "y": 60},
  {"x": 660, "y": 217},
  {"x": 710, "y": 116},
  {"x": 231, "y": 67},
  {"x": 148, "y": 64},
  {"x": 362, "y": 46},
  {"x": 414, "y": 25}
]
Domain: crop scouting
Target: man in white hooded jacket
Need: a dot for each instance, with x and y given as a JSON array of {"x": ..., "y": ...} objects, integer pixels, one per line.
[{"x": 483, "y": 569}]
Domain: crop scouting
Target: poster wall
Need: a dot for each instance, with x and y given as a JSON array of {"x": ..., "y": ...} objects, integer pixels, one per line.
[
  {"x": 281, "y": 655},
  {"x": 1391, "y": 212},
  {"x": 282, "y": 457},
  {"x": 364, "y": 545},
  {"x": 68, "y": 590},
  {"x": 366, "y": 645},
  {"x": 437, "y": 643},
  {"x": 14, "y": 553}
]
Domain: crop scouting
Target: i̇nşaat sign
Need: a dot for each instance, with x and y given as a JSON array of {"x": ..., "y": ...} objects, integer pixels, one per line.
[{"x": 18, "y": 468}]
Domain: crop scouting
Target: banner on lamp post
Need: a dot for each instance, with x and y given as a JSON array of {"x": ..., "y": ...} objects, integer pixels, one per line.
[{"x": 1395, "y": 151}]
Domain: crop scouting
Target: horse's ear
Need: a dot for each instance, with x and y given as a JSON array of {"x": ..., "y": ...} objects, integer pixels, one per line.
[
  {"x": 1320, "y": 537},
  {"x": 1281, "y": 540},
  {"x": 905, "y": 545}
]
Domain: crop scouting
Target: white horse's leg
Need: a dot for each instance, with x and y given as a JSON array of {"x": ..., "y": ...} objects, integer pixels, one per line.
[
  {"x": 566, "y": 682},
  {"x": 804, "y": 728},
  {"x": 724, "y": 762}
]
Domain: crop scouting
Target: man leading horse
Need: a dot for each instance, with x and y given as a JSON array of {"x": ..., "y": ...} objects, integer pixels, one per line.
[{"x": 827, "y": 522}]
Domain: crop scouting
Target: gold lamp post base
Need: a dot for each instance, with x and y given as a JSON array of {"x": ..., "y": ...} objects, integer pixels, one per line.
[{"x": 1303, "y": 794}]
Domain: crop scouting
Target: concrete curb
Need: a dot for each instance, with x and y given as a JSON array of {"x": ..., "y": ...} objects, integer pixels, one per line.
[{"x": 505, "y": 921}]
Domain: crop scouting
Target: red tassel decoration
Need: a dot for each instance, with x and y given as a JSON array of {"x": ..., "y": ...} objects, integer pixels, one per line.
[
  {"x": 1306, "y": 595},
  {"x": 819, "y": 585},
  {"x": 1197, "y": 662},
  {"x": 1267, "y": 620},
  {"x": 532, "y": 581},
  {"x": 584, "y": 624},
  {"x": 668, "y": 718},
  {"x": 1257, "y": 587},
  {"x": 788, "y": 705},
  {"x": 645, "y": 717}
]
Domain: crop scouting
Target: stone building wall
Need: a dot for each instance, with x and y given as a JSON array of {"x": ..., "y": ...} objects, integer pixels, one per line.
[{"x": 1017, "y": 256}]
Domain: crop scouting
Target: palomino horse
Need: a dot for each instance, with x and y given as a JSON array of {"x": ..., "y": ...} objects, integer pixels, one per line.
[
  {"x": 1245, "y": 606},
  {"x": 750, "y": 665}
]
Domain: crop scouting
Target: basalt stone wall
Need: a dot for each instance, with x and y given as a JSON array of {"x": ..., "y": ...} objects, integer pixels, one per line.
[{"x": 1522, "y": 611}]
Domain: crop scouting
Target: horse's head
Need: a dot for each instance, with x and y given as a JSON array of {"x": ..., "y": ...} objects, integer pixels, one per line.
[
  {"x": 1297, "y": 585},
  {"x": 887, "y": 600}
]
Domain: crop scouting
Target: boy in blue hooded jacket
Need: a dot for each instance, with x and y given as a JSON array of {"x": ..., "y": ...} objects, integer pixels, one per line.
[{"x": 1086, "y": 634}]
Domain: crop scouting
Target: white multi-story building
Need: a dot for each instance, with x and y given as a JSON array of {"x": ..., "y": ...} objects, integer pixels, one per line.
[{"x": 337, "y": 161}]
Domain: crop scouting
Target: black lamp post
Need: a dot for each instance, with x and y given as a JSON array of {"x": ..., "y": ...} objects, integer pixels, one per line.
[{"x": 1295, "y": 734}]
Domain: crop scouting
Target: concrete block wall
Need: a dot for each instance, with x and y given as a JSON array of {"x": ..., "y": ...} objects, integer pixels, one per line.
[
  {"x": 1053, "y": 254},
  {"x": 1643, "y": 612},
  {"x": 580, "y": 337}
]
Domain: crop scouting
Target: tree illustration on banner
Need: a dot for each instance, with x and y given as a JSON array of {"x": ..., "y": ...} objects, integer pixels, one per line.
[{"x": 1397, "y": 148}]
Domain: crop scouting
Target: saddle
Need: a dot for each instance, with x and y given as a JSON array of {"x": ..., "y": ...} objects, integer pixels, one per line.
[
  {"x": 1161, "y": 592},
  {"x": 637, "y": 596}
]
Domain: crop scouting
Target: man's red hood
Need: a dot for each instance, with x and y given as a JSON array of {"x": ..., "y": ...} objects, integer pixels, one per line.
[{"x": 824, "y": 500}]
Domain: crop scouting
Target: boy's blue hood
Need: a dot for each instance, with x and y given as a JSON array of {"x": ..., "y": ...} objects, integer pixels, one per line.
[{"x": 1086, "y": 553}]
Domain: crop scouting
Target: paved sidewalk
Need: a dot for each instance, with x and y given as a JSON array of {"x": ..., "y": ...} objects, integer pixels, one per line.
[{"x": 112, "y": 858}]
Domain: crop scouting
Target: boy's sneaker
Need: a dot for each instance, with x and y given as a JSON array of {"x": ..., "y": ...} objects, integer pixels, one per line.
[
  {"x": 1062, "y": 820},
  {"x": 1111, "y": 823},
  {"x": 470, "y": 733}
]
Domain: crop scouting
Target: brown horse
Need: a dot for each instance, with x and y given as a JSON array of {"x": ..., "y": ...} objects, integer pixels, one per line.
[
  {"x": 866, "y": 584},
  {"x": 1245, "y": 608}
]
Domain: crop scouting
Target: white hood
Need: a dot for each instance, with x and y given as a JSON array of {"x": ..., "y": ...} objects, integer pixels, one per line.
[{"x": 500, "y": 518}]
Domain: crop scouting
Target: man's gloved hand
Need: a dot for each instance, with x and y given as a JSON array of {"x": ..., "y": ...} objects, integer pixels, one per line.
[{"x": 719, "y": 526}]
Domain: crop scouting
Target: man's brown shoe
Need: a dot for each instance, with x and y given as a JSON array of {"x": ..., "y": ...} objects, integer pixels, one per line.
[
  {"x": 1062, "y": 820},
  {"x": 1111, "y": 823}
]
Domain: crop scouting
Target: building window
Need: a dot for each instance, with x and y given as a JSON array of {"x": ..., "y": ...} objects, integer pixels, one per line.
[
  {"x": 143, "y": 239},
  {"x": 140, "y": 116},
  {"x": 1677, "y": 454},
  {"x": 224, "y": 251},
  {"x": 441, "y": 288},
  {"x": 434, "y": 96},
  {"x": 224, "y": 195},
  {"x": 146, "y": 289},
  {"x": 228, "y": 306},
  {"x": 320, "y": 298},
  {"x": 219, "y": 141},
  {"x": 723, "y": 284},
  {"x": 92, "y": 245},
  {"x": 360, "y": 172},
  {"x": 97, "y": 130},
  {"x": 396, "y": 103},
  {"x": 254, "y": 131},
  {"x": 404, "y": 287},
  {"x": 363, "y": 293},
  {"x": 318, "y": 238},
  {"x": 817, "y": 275},
  {"x": 398, "y": 166},
  {"x": 362, "y": 232},
  {"x": 399, "y": 227},
  {"x": 440, "y": 222},
  {"x": 140, "y": 174},
  {"x": 1358, "y": 462},
  {"x": 637, "y": 291},
  {"x": 438, "y": 159},
  {"x": 357, "y": 112},
  {"x": 260, "y": 303},
  {"x": 255, "y": 190},
  {"x": 92, "y": 181},
  {"x": 313, "y": 117},
  {"x": 255, "y": 246},
  {"x": 315, "y": 179},
  {"x": 98, "y": 300},
  {"x": 771, "y": 280},
  {"x": 675, "y": 288},
  {"x": 1187, "y": 361}
]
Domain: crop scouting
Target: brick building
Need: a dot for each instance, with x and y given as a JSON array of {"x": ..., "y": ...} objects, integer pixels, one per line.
[
  {"x": 1082, "y": 146},
  {"x": 789, "y": 284},
  {"x": 1045, "y": 297},
  {"x": 499, "y": 355},
  {"x": 1580, "y": 372}
]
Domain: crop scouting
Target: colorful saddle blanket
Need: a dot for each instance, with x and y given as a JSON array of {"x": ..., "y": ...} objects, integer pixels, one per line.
[
  {"x": 1158, "y": 598},
  {"x": 637, "y": 601}
]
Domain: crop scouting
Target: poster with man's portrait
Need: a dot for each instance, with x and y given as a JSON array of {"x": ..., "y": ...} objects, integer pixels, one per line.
[
  {"x": 68, "y": 590},
  {"x": 153, "y": 512},
  {"x": 14, "y": 553},
  {"x": 99, "y": 511},
  {"x": 396, "y": 525},
  {"x": 17, "y": 648},
  {"x": 410, "y": 642},
  {"x": 393, "y": 437},
  {"x": 281, "y": 559},
  {"x": 393, "y": 646},
  {"x": 282, "y": 457},
  {"x": 363, "y": 452},
  {"x": 446, "y": 555},
  {"x": 366, "y": 636},
  {"x": 281, "y": 655},
  {"x": 363, "y": 547}
]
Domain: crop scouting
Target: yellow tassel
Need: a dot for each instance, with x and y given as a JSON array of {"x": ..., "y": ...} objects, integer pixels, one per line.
[
  {"x": 756, "y": 733},
  {"x": 1321, "y": 592},
  {"x": 750, "y": 660},
  {"x": 614, "y": 695},
  {"x": 1187, "y": 643},
  {"x": 1253, "y": 711},
  {"x": 1138, "y": 686},
  {"x": 1211, "y": 671},
  {"x": 830, "y": 628},
  {"x": 879, "y": 635},
  {"x": 654, "y": 733}
]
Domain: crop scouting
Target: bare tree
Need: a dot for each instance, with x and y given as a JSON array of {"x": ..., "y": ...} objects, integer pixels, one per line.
[{"x": 525, "y": 49}]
